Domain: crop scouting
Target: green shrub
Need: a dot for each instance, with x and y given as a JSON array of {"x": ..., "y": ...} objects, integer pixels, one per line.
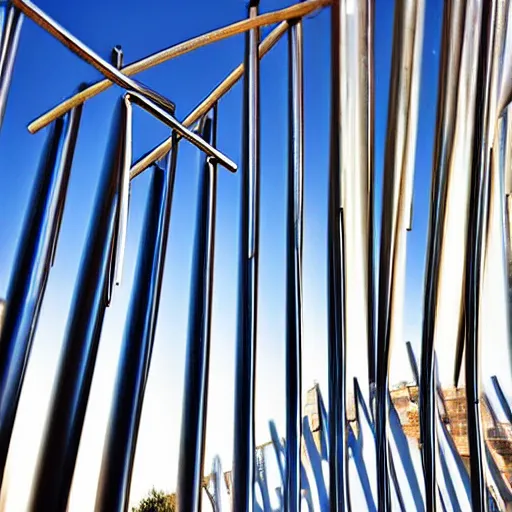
[{"x": 156, "y": 501}]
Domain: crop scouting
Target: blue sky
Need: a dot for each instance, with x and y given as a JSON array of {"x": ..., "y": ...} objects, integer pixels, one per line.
[{"x": 45, "y": 73}]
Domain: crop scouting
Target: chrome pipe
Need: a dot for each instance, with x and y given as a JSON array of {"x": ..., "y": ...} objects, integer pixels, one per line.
[
  {"x": 195, "y": 394},
  {"x": 475, "y": 252},
  {"x": 66, "y": 416},
  {"x": 85, "y": 53},
  {"x": 132, "y": 373},
  {"x": 450, "y": 185},
  {"x": 243, "y": 450},
  {"x": 397, "y": 197},
  {"x": 294, "y": 240},
  {"x": 35, "y": 255},
  {"x": 338, "y": 442},
  {"x": 11, "y": 20}
]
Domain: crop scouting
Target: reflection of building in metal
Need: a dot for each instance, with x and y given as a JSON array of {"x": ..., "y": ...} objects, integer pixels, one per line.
[{"x": 498, "y": 435}]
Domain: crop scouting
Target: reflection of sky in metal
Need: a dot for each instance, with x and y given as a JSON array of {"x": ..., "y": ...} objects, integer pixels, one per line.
[{"x": 45, "y": 73}]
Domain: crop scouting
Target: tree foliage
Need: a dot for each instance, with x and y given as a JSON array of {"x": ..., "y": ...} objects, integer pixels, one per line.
[{"x": 157, "y": 501}]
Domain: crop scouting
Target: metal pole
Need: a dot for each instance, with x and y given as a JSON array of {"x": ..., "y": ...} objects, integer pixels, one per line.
[
  {"x": 10, "y": 26},
  {"x": 34, "y": 259},
  {"x": 243, "y": 461},
  {"x": 85, "y": 53},
  {"x": 195, "y": 395},
  {"x": 397, "y": 197},
  {"x": 294, "y": 232},
  {"x": 71, "y": 390},
  {"x": 338, "y": 487},
  {"x": 476, "y": 243},
  {"x": 121, "y": 440}
]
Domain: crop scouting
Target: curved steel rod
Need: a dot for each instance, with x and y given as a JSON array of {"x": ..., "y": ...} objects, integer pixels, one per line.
[
  {"x": 398, "y": 175},
  {"x": 34, "y": 258},
  {"x": 76, "y": 46},
  {"x": 72, "y": 386},
  {"x": 10, "y": 26},
  {"x": 476, "y": 243},
  {"x": 294, "y": 11},
  {"x": 205, "y": 106},
  {"x": 195, "y": 395},
  {"x": 243, "y": 451},
  {"x": 121, "y": 440},
  {"x": 294, "y": 232}
]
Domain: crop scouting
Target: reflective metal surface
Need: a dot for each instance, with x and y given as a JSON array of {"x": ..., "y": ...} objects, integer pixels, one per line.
[
  {"x": 396, "y": 208},
  {"x": 195, "y": 398},
  {"x": 10, "y": 25},
  {"x": 243, "y": 450},
  {"x": 34, "y": 258},
  {"x": 132, "y": 373},
  {"x": 73, "y": 382}
]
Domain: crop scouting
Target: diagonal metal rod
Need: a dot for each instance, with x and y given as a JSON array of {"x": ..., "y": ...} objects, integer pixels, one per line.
[
  {"x": 76, "y": 46},
  {"x": 243, "y": 451},
  {"x": 121, "y": 439},
  {"x": 294, "y": 235},
  {"x": 182, "y": 130},
  {"x": 195, "y": 395},
  {"x": 475, "y": 253},
  {"x": 33, "y": 261},
  {"x": 205, "y": 106},
  {"x": 10, "y": 26},
  {"x": 398, "y": 175},
  {"x": 66, "y": 416},
  {"x": 294, "y": 11}
]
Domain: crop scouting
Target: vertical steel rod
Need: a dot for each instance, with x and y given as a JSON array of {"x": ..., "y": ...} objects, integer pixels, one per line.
[
  {"x": 32, "y": 265},
  {"x": 338, "y": 463},
  {"x": 195, "y": 394},
  {"x": 10, "y": 26},
  {"x": 396, "y": 208},
  {"x": 476, "y": 243},
  {"x": 71, "y": 389},
  {"x": 243, "y": 463},
  {"x": 294, "y": 233},
  {"x": 121, "y": 440},
  {"x": 451, "y": 56}
]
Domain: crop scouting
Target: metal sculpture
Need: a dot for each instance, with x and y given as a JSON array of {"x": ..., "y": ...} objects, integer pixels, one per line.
[{"x": 363, "y": 438}]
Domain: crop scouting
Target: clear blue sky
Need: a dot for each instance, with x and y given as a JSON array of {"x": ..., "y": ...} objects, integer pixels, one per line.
[{"x": 45, "y": 73}]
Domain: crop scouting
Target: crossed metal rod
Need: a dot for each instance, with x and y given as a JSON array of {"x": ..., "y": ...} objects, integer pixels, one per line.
[{"x": 473, "y": 77}]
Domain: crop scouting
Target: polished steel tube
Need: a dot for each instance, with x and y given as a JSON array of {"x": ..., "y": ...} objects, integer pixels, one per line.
[
  {"x": 356, "y": 125},
  {"x": 66, "y": 416},
  {"x": 84, "y": 52},
  {"x": 132, "y": 373},
  {"x": 396, "y": 207},
  {"x": 338, "y": 442},
  {"x": 10, "y": 26},
  {"x": 32, "y": 265},
  {"x": 243, "y": 450},
  {"x": 294, "y": 235},
  {"x": 195, "y": 394},
  {"x": 476, "y": 243},
  {"x": 456, "y": 95}
]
